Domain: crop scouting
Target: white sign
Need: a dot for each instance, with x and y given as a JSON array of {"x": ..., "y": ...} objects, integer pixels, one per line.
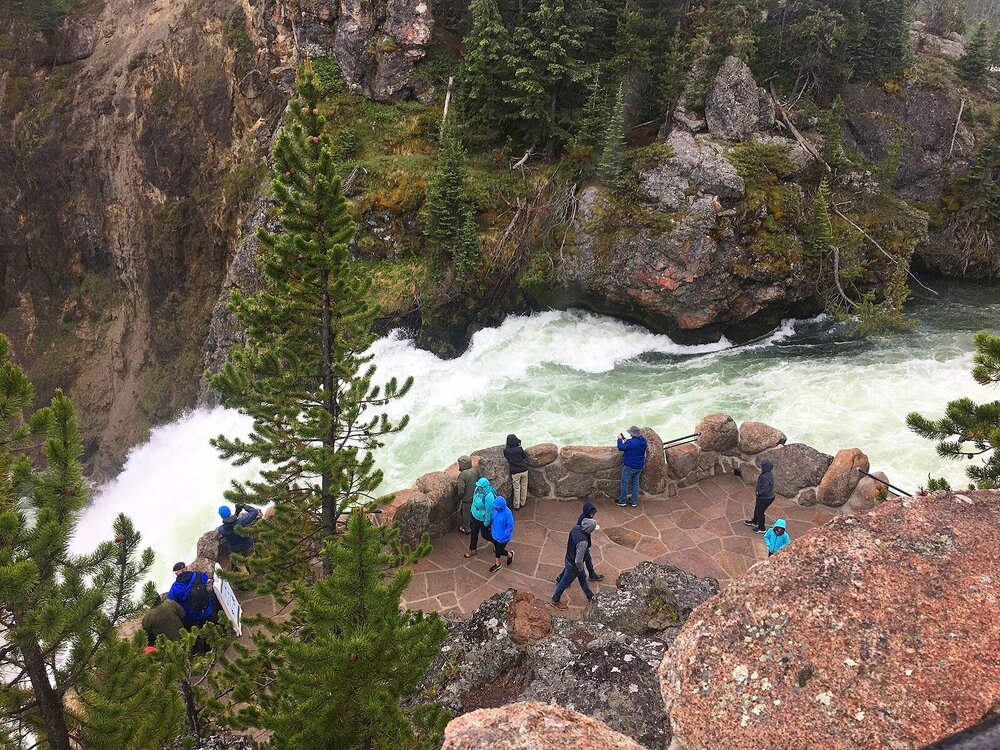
[{"x": 227, "y": 599}]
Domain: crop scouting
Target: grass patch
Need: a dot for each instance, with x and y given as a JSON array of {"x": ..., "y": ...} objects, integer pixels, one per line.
[{"x": 399, "y": 284}]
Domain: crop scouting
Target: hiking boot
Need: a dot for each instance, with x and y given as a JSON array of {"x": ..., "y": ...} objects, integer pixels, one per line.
[
  {"x": 596, "y": 578},
  {"x": 510, "y": 558},
  {"x": 749, "y": 523},
  {"x": 494, "y": 568},
  {"x": 558, "y": 605}
]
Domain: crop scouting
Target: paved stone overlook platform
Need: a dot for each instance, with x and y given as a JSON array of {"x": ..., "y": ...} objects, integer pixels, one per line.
[{"x": 700, "y": 529}]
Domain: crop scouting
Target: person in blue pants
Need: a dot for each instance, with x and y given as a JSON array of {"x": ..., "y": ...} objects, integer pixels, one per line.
[
  {"x": 577, "y": 547},
  {"x": 634, "y": 458},
  {"x": 589, "y": 511}
]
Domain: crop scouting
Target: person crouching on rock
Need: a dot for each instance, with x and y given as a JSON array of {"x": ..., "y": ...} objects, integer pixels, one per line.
[
  {"x": 777, "y": 537},
  {"x": 577, "y": 549},
  {"x": 502, "y": 531},
  {"x": 243, "y": 517},
  {"x": 765, "y": 496},
  {"x": 166, "y": 618},
  {"x": 482, "y": 514},
  {"x": 468, "y": 475}
]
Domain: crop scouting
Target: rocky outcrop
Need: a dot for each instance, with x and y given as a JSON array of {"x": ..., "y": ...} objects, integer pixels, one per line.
[
  {"x": 651, "y": 600},
  {"x": 376, "y": 43},
  {"x": 874, "y": 630},
  {"x": 950, "y": 47},
  {"x": 600, "y": 672},
  {"x": 697, "y": 164},
  {"x": 532, "y": 726},
  {"x": 842, "y": 477},
  {"x": 868, "y": 493},
  {"x": 736, "y": 107},
  {"x": 921, "y": 121}
]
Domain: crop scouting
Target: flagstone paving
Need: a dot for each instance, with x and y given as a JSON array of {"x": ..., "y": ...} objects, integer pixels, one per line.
[{"x": 700, "y": 530}]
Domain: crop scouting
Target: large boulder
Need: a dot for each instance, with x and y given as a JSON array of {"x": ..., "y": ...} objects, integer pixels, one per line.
[
  {"x": 493, "y": 466},
  {"x": 757, "y": 436},
  {"x": 542, "y": 455},
  {"x": 651, "y": 600},
  {"x": 796, "y": 466},
  {"x": 654, "y": 473},
  {"x": 440, "y": 489},
  {"x": 601, "y": 672},
  {"x": 876, "y": 630},
  {"x": 718, "y": 433},
  {"x": 842, "y": 477},
  {"x": 589, "y": 459},
  {"x": 868, "y": 493},
  {"x": 697, "y": 164},
  {"x": 532, "y": 726},
  {"x": 736, "y": 107},
  {"x": 412, "y": 510}
]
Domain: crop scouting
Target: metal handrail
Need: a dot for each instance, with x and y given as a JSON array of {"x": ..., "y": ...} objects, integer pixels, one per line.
[
  {"x": 680, "y": 441},
  {"x": 882, "y": 481}
]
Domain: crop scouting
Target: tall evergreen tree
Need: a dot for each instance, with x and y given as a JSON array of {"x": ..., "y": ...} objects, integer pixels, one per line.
[
  {"x": 968, "y": 429},
  {"x": 995, "y": 49},
  {"x": 341, "y": 667},
  {"x": 612, "y": 163},
  {"x": 548, "y": 70},
  {"x": 594, "y": 113},
  {"x": 832, "y": 126},
  {"x": 884, "y": 48},
  {"x": 469, "y": 245},
  {"x": 57, "y": 609},
  {"x": 822, "y": 229},
  {"x": 130, "y": 702},
  {"x": 975, "y": 63},
  {"x": 303, "y": 373},
  {"x": 485, "y": 68},
  {"x": 672, "y": 78},
  {"x": 447, "y": 208}
]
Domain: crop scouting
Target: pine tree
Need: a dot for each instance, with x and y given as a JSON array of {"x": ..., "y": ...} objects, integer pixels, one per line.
[
  {"x": 53, "y": 602},
  {"x": 822, "y": 229},
  {"x": 612, "y": 163},
  {"x": 485, "y": 72},
  {"x": 968, "y": 429},
  {"x": 447, "y": 208},
  {"x": 548, "y": 69},
  {"x": 469, "y": 246},
  {"x": 339, "y": 681},
  {"x": 975, "y": 63},
  {"x": 832, "y": 126},
  {"x": 130, "y": 702},
  {"x": 594, "y": 114},
  {"x": 303, "y": 372},
  {"x": 672, "y": 77},
  {"x": 995, "y": 49},
  {"x": 883, "y": 50}
]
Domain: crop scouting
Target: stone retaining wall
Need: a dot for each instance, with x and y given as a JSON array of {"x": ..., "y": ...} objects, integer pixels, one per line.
[{"x": 575, "y": 472}]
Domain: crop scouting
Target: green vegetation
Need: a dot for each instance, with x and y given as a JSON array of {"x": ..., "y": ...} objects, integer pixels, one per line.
[
  {"x": 975, "y": 63},
  {"x": 337, "y": 672},
  {"x": 968, "y": 429},
  {"x": 448, "y": 212},
  {"x": 309, "y": 390},
  {"x": 54, "y": 602},
  {"x": 612, "y": 163}
]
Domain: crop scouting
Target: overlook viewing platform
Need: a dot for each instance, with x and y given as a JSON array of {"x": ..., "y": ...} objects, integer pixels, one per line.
[{"x": 700, "y": 530}]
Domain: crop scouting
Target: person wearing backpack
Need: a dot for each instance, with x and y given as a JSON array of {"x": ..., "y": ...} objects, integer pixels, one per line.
[{"x": 192, "y": 589}]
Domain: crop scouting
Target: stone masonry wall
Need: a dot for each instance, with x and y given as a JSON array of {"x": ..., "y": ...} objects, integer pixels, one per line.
[{"x": 575, "y": 472}]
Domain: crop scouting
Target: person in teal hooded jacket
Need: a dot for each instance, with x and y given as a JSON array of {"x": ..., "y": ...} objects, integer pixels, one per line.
[
  {"x": 501, "y": 531},
  {"x": 776, "y": 537},
  {"x": 482, "y": 513}
]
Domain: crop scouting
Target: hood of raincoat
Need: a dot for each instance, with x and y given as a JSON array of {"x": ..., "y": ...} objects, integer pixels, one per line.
[
  {"x": 589, "y": 525},
  {"x": 464, "y": 462},
  {"x": 780, "y": 523},
  {"x": 512, "y": 441},
  {"x": 766, "y": 465},
  {"x": 499, "y": 504}
]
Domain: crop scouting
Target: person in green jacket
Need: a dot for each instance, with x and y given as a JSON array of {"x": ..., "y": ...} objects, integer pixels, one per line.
[
  {"x": 166, "y": 619},
  {"x": 468, "y": 475},
  {"x": 482, "y": 513}
]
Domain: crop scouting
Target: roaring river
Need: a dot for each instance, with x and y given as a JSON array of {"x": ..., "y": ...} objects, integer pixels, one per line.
[{"x": 574, "y": 377}]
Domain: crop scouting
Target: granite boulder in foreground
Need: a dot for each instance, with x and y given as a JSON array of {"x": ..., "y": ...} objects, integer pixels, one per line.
[
  {"x": 875, "y": 631},
  {"x": 532, "y": 726}
]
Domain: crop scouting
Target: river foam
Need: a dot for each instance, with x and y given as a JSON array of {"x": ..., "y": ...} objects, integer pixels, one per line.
[{"x": 573, "y": 377}]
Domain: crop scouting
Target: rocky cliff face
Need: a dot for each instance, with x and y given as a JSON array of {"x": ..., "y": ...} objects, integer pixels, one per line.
[{"x": 133, "y": 138}]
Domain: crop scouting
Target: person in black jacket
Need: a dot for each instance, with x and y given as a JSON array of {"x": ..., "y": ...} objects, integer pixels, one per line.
[
  {"x": 765, "y": 496},
  {"x": 243, "y": 517},
  {"x": 517, "y": 460},
  {"x": 574, "y": 566},
  {"x": 589, "y": 511}
]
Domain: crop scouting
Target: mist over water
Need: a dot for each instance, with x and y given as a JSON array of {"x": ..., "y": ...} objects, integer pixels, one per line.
[{"x": 574, "y": 377}]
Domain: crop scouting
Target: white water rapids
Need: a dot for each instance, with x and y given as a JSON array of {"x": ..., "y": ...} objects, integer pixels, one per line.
[{"x": 572, "y": 377}]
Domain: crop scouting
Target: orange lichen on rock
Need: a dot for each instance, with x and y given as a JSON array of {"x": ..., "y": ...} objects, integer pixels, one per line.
[{"x": 879, "y": 630}]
